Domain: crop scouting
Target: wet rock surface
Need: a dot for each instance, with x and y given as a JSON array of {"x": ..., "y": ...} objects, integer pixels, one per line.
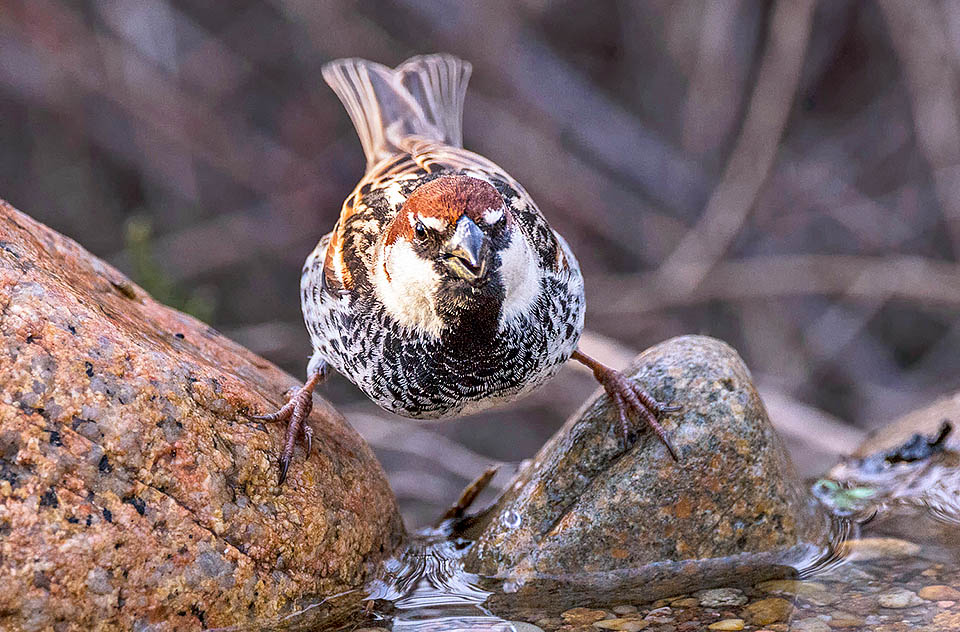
[
  {"x": 911, "y": 466},
  {"x": 134, "y": 489},
  {"x": 926, "y": 422},
  {"x": 586, "y": 509}
]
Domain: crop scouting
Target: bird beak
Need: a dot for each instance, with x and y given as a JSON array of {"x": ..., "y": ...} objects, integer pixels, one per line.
[{"x": 466, "y": 252}]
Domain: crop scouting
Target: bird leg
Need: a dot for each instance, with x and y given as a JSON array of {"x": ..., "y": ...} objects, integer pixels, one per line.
[
  {"x": 295, "y": 413},
  {"x": 629, "y": 398}
]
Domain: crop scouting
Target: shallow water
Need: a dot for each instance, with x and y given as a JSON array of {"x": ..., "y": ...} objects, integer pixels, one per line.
[{"x": 892, "y": 564}]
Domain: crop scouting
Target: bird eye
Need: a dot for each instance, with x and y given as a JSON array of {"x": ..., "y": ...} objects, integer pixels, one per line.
[{"x": 420, "y": 230}]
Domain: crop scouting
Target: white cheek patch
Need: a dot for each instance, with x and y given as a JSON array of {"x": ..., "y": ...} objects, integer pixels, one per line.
[
  {"x": 435, "y": 223},
  {"x": 408, "y": 294},
  {"x": 492, "y": 215},
  {"x": 521, "y": 277}
]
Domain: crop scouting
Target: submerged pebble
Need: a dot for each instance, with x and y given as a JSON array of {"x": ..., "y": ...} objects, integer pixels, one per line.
[
  {"x": 522, "y": 626},
  {"x": 867, "y": 549},
  {"x": 549, "y": 623},
  {"x": 685, "y": 602},
  {"x": 813, "y": 592},
  {"x": 768, "y": 611},
  {"x": 840, "y": 619},
  {"x": 727, "y": 624},
  {"x": 624, "y": 625},
  {"x": 939, "y": 593},
  {"x": 720, "y": 597},
  {"x": 899, "y": 598},
  {"x": 583, "y": 616},
  {"x": 810, "y": 625}
]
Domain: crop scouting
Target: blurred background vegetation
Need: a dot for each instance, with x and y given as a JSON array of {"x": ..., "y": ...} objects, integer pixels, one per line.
[{"x": 783, "y": 175}]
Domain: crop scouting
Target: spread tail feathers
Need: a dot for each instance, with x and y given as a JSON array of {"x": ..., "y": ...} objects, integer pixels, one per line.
[{"x": 422, "y": 97}]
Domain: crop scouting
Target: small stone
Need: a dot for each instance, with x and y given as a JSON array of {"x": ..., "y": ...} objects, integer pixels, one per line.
[
  {"x": 523, "y": 626},
  {"x": 946, "y": 604},
  {"x": 810, "y": 625},
  {"x": 947, "y": 620},
  {"x": 939, "y": 593},
  {"x": 686, "y": 602},
  {"x": 727, "y": 624},
  {"x": 583, "y": 616},
  {"x": 720, "y": 597},
  {"x": 868, "y": 549},
  {"x": 814, "y": 592},
  {"x": 625, "y": 609},
  {"x": 549, "y": 623},
  {"x": 769, "y": 610},
  {"x": 626, "y": 625},
  {"x": 840, "y": 620},
  {"x": 899, "y": 598},
  {"x": 930, "y": 572}
]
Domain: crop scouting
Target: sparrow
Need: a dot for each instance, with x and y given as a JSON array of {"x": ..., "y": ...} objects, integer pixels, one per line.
[{"x": 441, "y": 290}]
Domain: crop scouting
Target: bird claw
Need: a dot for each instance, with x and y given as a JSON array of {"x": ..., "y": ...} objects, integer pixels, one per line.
[
  {"x": 295, "y": 413},
  {"x": 629, "y": 398},
  {"x": 308, "y": 436}
]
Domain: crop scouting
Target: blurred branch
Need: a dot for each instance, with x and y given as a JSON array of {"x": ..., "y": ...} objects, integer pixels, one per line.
[
  {"x": 714, "y": 92},
  {"x": 809, "y": 424},
  {"x": 754, "y": 152},
  {"x": 600, "y": 130},
  {"x": 395, "y": 433},
  {"x": 910, "y": 278},
  {"x": 918, "y": 34},
  {"x": 581, "y": 191},
  {"x": 798, "y": 421}
]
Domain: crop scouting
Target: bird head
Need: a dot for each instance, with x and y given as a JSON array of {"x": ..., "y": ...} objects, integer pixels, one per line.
[{"x": 454, "y": 251}]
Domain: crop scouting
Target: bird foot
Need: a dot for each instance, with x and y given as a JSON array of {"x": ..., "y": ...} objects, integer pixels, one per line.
[
  {"x": 630, "y": 401},
  {"x": 295, "y": 413}
]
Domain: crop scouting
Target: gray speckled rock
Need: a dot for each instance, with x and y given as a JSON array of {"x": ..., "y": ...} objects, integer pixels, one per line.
[{"x": 584, "y": 508}]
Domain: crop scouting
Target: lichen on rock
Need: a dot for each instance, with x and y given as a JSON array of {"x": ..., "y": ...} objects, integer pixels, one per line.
[{"x": 134, "y": 488}]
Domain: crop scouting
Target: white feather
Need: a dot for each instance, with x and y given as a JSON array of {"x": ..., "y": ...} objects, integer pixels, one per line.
[
  {"x": 521, "y": 277},
  {"x": 492, "y": 215},
  {"x": 394, "y": 195},
  {"x": 435, "y": 223},
  {"x": 408, "y": 294}
]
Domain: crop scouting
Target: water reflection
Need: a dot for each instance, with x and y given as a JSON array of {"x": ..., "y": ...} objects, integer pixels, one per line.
[{"x": 426, "y": 589}]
